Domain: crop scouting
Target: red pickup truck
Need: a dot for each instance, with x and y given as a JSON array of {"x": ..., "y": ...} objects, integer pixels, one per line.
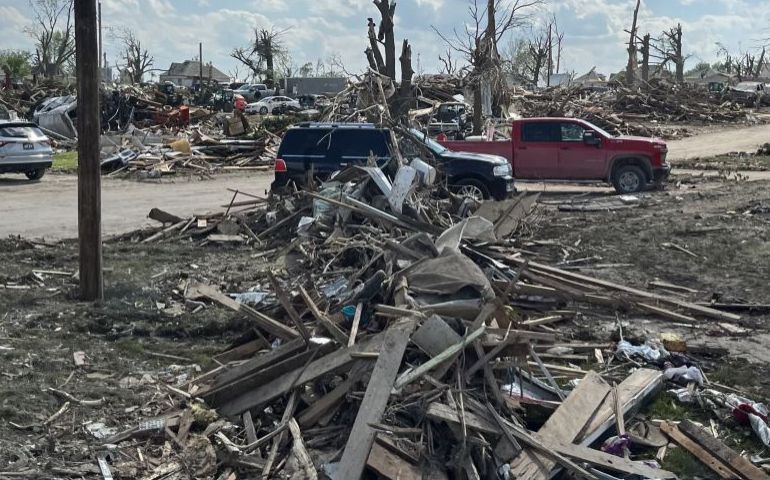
[{"x": 569, "y": 149}]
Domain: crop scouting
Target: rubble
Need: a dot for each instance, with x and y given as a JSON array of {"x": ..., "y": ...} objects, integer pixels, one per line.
[{"x": 420, "y": 343}]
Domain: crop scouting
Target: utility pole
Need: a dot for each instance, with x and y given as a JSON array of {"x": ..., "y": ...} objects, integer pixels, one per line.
[
  {"x": 101, "y": 51},
  {"x": 200, "y": 78},
  {"x": 89, "y": 175}
]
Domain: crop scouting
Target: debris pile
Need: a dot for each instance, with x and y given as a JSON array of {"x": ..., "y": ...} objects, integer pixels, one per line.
[
  {"x": 405, "y": 332},
  {"x": 622, "y": 111}
]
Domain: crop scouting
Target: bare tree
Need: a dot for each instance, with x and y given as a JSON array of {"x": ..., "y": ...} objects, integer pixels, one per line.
[
  {"x": 53, "y": 33},
  {"x": 478, "y": 43},
  {"x": 669, "y": 49},
  {"x": 137, "y": 60},
  {"x": 538, "y": 47},
  {"x": 645, "y": 51},
  {"x": 373, "y": 53},
  {"x": 262, "y": 56},
  {"x": 386, "y": 36},
  {"x": 743, "y": 64},
  {"x": 633, "y": 61},
  {"x": 450, "y": 65}
]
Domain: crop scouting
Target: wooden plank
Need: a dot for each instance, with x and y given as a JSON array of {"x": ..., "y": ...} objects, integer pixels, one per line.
[
  {"x": 677, "y": 317},
  {"x": 607, "y": 461},
  {"x": 700, "y": 453},
  {"x": 303, "y": 457},
  {"x": 287, "y": 305},
  {"x": 279, "y": 386},
  {"x": 410, "y": 376},
  {"x": 314, "y": 412},
  {"x": 565, "y": 425},
  {"x": 444, "y": 413},
  {"x": 241, "y": 352},
  {"x": 230, "y": 374},
  {"x": 263, "y": 321},
  {"x": 248, "y": 425},
  {"x": 375, "y": 400},
  {"x": 708, "y": 312},
  {"x": 330, "y": 326},
  {"x": 391, "y": 466},
  {"x": 356, "y": 322},
  {"x": 631, "y": 392},
  {"x": 722, "y": 452}
]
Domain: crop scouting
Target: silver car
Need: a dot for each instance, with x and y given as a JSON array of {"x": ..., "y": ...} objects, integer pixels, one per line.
[{"x": 24, "y": 149}]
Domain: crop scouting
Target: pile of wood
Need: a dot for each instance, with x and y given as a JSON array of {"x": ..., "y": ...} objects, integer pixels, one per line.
[
  {"x": 144, "y": 154},
  {"x": 395, "y": 345},
  {"x": 622, "y": 111}
]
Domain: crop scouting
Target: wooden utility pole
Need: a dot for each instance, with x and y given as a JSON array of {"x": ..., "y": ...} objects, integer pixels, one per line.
[
  {"x": 101, "y": 51},
  {"x": 89, "y": 174}
]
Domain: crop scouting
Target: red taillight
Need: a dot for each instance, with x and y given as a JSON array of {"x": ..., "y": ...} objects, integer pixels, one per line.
[{"x": 280, "y": 165}]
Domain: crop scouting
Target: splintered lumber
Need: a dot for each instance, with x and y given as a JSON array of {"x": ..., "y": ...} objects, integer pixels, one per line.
[
  {"x": 565, "y": 425},
  {"x": 375, "y": 400},
  {"x": 263, "y": 321},
  {"x": 444, "y": 413},
  {"x": 163, "y": 217},
  {"x": 314, "y": 412},
  {"x": 390, "y": 465},
  {"x": 606, "y": 461},
  {"x": 586, "y": 280},
  {"x": 330, "y": 326},
  {"x": 298, "y": 376},
  {"x": 410, "y": 376},
  {"x": 722, "y": 452},
  {"x": 631, "y": 393},
  {"x": 673, "y": 432},
  {"x": 303, "y": 457}
]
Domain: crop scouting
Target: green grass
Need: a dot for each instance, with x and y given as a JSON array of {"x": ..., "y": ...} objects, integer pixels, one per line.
[{"x": 66, "y": 162}]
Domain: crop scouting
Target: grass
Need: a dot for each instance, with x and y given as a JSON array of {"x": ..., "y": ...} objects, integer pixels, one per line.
[{"x": 66, "y": 162}]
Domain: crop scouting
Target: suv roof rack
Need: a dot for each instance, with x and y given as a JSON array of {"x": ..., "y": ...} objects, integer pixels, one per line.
[{"x": 336, "y": 125}]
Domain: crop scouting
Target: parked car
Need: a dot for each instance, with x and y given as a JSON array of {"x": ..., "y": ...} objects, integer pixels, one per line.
[
  {"x": 749, "y": 93},
  {"x": 252, "y": 92},
  {"x": 268, "y": 104},
  {"x": 24, "y": 149},
  {"x": 313, "y": 101},
  {"x": 326, "y": 148},
  {"x": 568, "y": 149}
]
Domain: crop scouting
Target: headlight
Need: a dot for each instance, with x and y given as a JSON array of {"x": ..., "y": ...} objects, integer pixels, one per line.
[{"x": 503, "y": 170}]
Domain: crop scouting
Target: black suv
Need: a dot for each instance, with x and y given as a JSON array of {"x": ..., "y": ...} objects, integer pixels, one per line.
[{"x": 328, "y": 147}]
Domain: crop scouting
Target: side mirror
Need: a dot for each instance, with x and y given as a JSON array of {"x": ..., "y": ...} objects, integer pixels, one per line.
[{"x": 590, "y": 138}]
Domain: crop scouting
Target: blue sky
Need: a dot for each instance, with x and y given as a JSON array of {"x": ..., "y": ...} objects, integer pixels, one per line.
[{"x": 171, "y": 29}]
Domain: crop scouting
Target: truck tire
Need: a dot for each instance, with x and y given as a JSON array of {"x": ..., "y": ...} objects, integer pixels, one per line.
[
  {"x": 629, "y": 179},
  {"x": 35, "y": 174},
  {"x": 470, "y": 187}
]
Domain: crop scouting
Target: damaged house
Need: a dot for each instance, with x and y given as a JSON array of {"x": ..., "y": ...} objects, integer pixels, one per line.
[{"x": 188, "y": 73}]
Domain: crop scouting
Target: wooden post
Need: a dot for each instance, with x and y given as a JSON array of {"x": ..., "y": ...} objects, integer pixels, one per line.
[
  {"x": 89, "y": 174},
  {"x": 101, "y": 50}
]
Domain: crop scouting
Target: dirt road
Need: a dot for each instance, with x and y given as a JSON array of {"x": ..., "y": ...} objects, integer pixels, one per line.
[
  {"x": 49, "y": 208},
  {"x": 719, "y": 142}
]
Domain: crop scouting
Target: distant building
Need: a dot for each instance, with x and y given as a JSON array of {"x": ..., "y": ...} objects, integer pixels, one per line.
[
  {"x": 314, "y": 85},
  {"x": 187, "y": 74},
  {"x": 714, "y": 80},
  {"x": 591, "y": 80}
]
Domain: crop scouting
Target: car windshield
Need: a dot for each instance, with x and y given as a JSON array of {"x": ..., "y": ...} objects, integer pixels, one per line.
[
  {"x": 600, "y": 131},
  {"x": 433, "y": 145},
  {"x": 29, "y": 132}
]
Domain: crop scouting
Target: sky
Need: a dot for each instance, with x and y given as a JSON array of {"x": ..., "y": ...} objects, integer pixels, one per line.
[{"x": 320, "y": 29}]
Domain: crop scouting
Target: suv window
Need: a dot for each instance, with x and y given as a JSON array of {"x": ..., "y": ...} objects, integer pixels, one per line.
[
  {"x": 571, "y": 132},
  {"x": 541, "y": 132},
  {"x": 359, "y": 142},
  {"x": 306, "y": 141}
]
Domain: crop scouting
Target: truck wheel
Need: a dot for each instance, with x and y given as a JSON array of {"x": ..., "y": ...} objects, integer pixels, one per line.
[
  {"x": 472, "y": 188},
  {"x": 35, "y": 174},
  {"x": 629, "y": 179}
]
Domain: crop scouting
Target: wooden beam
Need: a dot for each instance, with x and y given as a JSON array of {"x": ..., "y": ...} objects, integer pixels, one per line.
[
  {"x": 391, "y": 466},
  {"x": 299, "y": 376},
  {"x": 722, "y": 452},
  {"x": 375, "y": 400},
  {"x": 89, "y": 156},
  {"x": 328, "y": 325},
  {"x": 263, "y": 321},
  {"x": 699, "y": 452},
  {"x": 286, "y": 304}
]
